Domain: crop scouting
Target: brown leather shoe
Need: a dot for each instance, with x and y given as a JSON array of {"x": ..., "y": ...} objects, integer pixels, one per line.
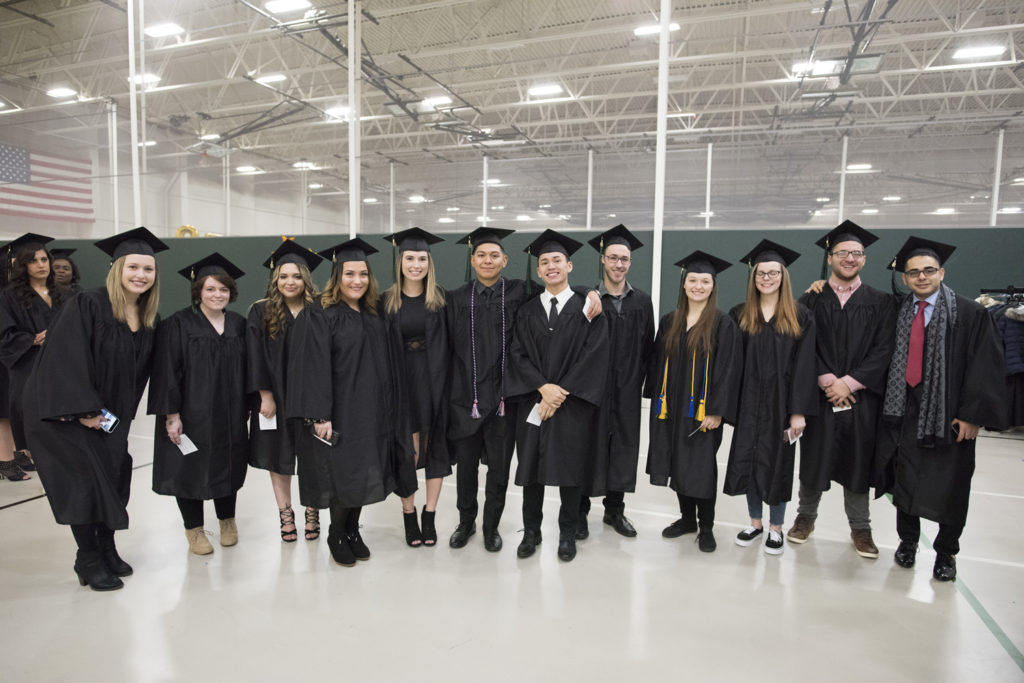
[
  {"x": 864, "y": 544},
  {"x": 801, "y": 529}
]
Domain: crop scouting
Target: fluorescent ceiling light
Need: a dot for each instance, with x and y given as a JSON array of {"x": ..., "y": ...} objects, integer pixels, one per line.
[
  {"x": 249, "y": 169},
  {"x": 494, "y": 181},
  {"x": 210, "y": 136},
  {"x": 417, "y": 198},
  {"x": 1009, "y": 209},
  {"x": 1018, "y": 180},
  {"x": 892, "y": 198},
  {"x": 545, "y": 90},
  {"x": 611, "y": 215},
  {"x": 445, "y": 219},
  {"x": 869, "y": 212},
  {"x": 498, "y": 208},
  {"x": 823, "y": 68},
  {"x": 653, "y": 29},
  {"x": 340, "y": 113},
  {"x": 147, "y": 143},
  {"x": 369, "y": 200},
  {"x": 482, "y": 219},
  {"x": 523, "y": 217},
  {"x": 564, "y": 216},
  {"x": 146, "y": 79},
  {"x": 271, "y": 78},
  {"x": 316, "y": 186},
  {"x": 306, "y": 165},
  {"x": 544, "y": 206},
  {"x": 979, "y": 52},
  {"x": 282, "y": 6},
  {"x": 820, "y": 95},
  {"x": 823, "y": 200},
  {"x": 682, "y": 115},
  {"x": 435, "y": 102},
  {"x": 706, "y": 214},
  {"x": 453, "y": 209},
  {"x": 163, "y": 30},
  {"x": 61, "y": 92},
  {"x": 858, "y": 167},
  {"x": 945, "y": 211}
]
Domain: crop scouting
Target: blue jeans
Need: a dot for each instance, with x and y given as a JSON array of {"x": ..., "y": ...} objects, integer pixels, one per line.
[{"x": 776, "y": 513}]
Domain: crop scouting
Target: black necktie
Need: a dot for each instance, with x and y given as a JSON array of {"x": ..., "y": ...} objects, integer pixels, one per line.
[{"x": 553, "y": 315}]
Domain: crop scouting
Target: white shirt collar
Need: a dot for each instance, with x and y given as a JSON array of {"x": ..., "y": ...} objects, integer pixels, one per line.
[{"x": 563, "y": 296}]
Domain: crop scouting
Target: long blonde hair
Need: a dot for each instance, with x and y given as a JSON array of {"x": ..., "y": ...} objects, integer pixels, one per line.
[
  {"x": 149, "y": 301},
  {"x": 434, "y": 299},
  {"x": 332, "y": 292},
  {"x": 786, "y": 320},
  {"x": 276, "y": 310}
]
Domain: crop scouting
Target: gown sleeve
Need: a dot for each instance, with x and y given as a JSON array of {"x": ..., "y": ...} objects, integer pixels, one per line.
[
  {"x": 15, "y": 342},
  {"x": 258, "y": 374},
  {"x": 982, "y": 399},
  {"x": 803, "y": 388},
  {"x": 65, "y": 370},
  {"x": 168, "y": 368},
  {"x": 585, "y": 378},
  {"x": 727, "y": 371}
]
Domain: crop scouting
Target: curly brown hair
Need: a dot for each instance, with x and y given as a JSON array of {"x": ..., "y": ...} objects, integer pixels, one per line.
[{"x": 274, "y": 315}]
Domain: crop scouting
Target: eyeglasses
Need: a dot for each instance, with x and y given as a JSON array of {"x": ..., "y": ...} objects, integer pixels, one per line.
[
  {"x": 767, "y": 274},
  {"x": 930, "y": 271},
  {"x": 843, "y": 253},
  {"x": 624, "y": 260}
]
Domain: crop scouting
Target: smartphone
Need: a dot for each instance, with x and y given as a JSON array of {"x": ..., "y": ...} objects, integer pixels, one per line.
[
  {"x": 332, "y": 440},
  {"x": 108, "y": 421}
]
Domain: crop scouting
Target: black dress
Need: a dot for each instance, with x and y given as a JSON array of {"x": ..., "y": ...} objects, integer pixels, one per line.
[
  {"x": 200, "y": 374},
  {"x": 90, "y": 361},
  {"x": 273, "y": 366},
  {"x": 778, "y": 381},
  {"x": 680, "y": 456},
  {"x": 358, "y": 370},
  {"x": 19, "y": 325}
]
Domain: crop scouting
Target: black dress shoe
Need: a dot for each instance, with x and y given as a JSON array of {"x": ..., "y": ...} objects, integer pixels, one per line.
[
  {"x": 945, "y": 567},
  {"x": 567, "y": 549},
  {"x": 621, "y": 525},
  {"x": 528, "y": 546},
  {"x": 906, "y": 554},
  {"x": 706, "y": 541},
  {"x": 582, "y": 529},
  {"x": 460, "y": 537},
  {"x": 679, "y": 527},
  {"x": 492, "y": 541}
]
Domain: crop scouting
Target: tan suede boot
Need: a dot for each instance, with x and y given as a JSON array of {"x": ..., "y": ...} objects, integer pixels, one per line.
[
  {"x": 197, "y": 541},
  {"x": 228, "y": 532}
]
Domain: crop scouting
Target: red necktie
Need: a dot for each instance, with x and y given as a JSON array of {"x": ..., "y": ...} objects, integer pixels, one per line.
[{"x": 915, "y": 357}]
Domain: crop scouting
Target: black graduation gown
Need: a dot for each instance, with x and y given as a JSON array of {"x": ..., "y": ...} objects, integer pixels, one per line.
[
  {"x": 778, "y": 381},
  {"x": 19, "y": 325},
  {"x": 481, "y": 317},
  {"x": 89, "y": 361},
  {"x": 271, "y": 365},
  {"x": 359, "y": 369},
  {"x": 572, "y": 355},
  {"x": 856, "y": 340},
  {"x": 935, "y": 482},
  {"x": 200, "y": 374},
  {"x": 688, "y": 463},
  {"x": 630, "y": 346},
  {"x": 435, "y": 459}
]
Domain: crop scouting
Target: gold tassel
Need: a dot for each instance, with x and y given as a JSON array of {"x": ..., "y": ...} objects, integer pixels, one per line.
[{"x": 663, "y": 413}]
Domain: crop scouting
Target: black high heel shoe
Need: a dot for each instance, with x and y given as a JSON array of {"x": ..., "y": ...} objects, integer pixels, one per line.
[
  {"x": 287, "y": 517},
  {"x": 312, "y": 517},
  {"x": 412, "y": 530},
  {"x": 429, "y": 532},
  {"x": 108, "y": 551},
  {"x": 9, "y": 470},
  {"x": 25, "y": 461},
  {"x": 92, "y": 571}
]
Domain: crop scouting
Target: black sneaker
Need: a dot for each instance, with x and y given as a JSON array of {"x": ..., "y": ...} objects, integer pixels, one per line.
[
  {"x": 679, "y": 527},
  {"x": 748, "y": 536},
  {"x": 706, "y": 541},
  {"x": 773, "y": 542}
]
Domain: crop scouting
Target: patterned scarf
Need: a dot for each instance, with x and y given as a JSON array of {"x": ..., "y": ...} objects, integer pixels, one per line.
[{"x": 932, "y": 422}]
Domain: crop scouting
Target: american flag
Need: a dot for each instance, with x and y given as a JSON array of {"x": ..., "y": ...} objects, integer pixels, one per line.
[{"x": 36, "y": 185}]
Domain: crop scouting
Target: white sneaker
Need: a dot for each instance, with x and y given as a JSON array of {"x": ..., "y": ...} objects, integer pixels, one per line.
[{"x": 773, "y": 542}]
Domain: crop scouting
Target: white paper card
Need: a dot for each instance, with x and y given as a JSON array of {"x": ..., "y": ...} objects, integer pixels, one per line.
[
  {"x": 186, "y": 446},
  {"x": 534, "y": 417},
  {"x": 790, "y": 439},
  {"x": 838, "y": 409},
  {"x": 268, "y": 423},
  {"x": 586, "y": 307}
]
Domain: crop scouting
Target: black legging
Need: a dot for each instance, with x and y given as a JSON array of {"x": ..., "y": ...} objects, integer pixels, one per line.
[
  {"x": 692, "y": 508},
  {"x": 344, "y": 520},
  {"x": 192, "y": 510},
  {"x": 88, "y": 536}
]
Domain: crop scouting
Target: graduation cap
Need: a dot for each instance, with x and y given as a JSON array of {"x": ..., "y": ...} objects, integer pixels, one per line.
[
  {"x": 24, "y": 241},
  {"x": 137, "y": 241},
  {"x": 551, "y": 241},
  {"x": 766, "y": 250},
  {"x": 62, "y": 253},
  {"x": 214, "y": 264},
  {"x": 702, "y": 262},
  {"x": 291, "y": 251},
  {"x": 413, "y": 239},
  {"x": 483, "y": 235},
  {"x": 847, "y": 231},
  {"x": 352, "y": 250},
  {"x": 617, "y": 235},
  {"x": 919, "y": 246}
]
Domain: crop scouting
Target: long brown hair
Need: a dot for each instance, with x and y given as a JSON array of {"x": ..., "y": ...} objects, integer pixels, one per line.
[
  {"x": 701, "y": 338},
  {"x": 332, "y": 292},
  {"x": 274, "y": 314},
  {"x": 786, "y": 320},
  {"x": 21, "y": 283},
  {"x": 148, "y": 302},
  {"x": 434, "y": 299}
]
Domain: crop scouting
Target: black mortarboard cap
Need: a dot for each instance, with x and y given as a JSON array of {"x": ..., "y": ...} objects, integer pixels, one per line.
[
  {"x": 847, "y": 231},
  {"x": 617, "y": 235},
  {"x": 62, "y": 253},
  {"x": 485, "y": 235},
  {"x": 703, "y": 262},
  {"x": 917, "y": 246},
  {"x": 352, "y": 250},
  {"x": 766, "y": 250},
  {"x": 291, "y": 251},
  {"x": 214, "y": 264},
  {"x": 136, "y": 241},
  {"x": 25, "y": 240},
  {"x": 551, "y": 241},
  {"x": 413, "y": 239}
]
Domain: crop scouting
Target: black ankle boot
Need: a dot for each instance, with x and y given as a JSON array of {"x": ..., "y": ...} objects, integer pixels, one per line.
[
  {"x": 341, "y": 549},
  {"x": 93, "y": 572},
  {"x": 429, "y": 532},
  {"x": 412, "y": 529},
  {"x": 115, "y": 564}
]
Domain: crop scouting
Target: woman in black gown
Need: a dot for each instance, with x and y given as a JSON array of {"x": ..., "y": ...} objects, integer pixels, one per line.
[
  {"x": 277, "y": 325},
  {"x": 82, "y": 396},
  {"x": 358, "y": 378},
  {"x": 695, "y": 382},
  {"x": 65, "y": 271},
  {"x": 414, "y": 309},
  {"x": 198, "y": 387},
  {"x": 779, "y": 387}
]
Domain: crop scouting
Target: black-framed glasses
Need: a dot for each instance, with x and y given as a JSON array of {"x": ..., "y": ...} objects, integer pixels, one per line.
[
  {"x": 624, "y": 260},
  {"x": 930, "y": 271},
  {"x": 767, "y": 274},
  {"x": 843, "y": 253}
]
